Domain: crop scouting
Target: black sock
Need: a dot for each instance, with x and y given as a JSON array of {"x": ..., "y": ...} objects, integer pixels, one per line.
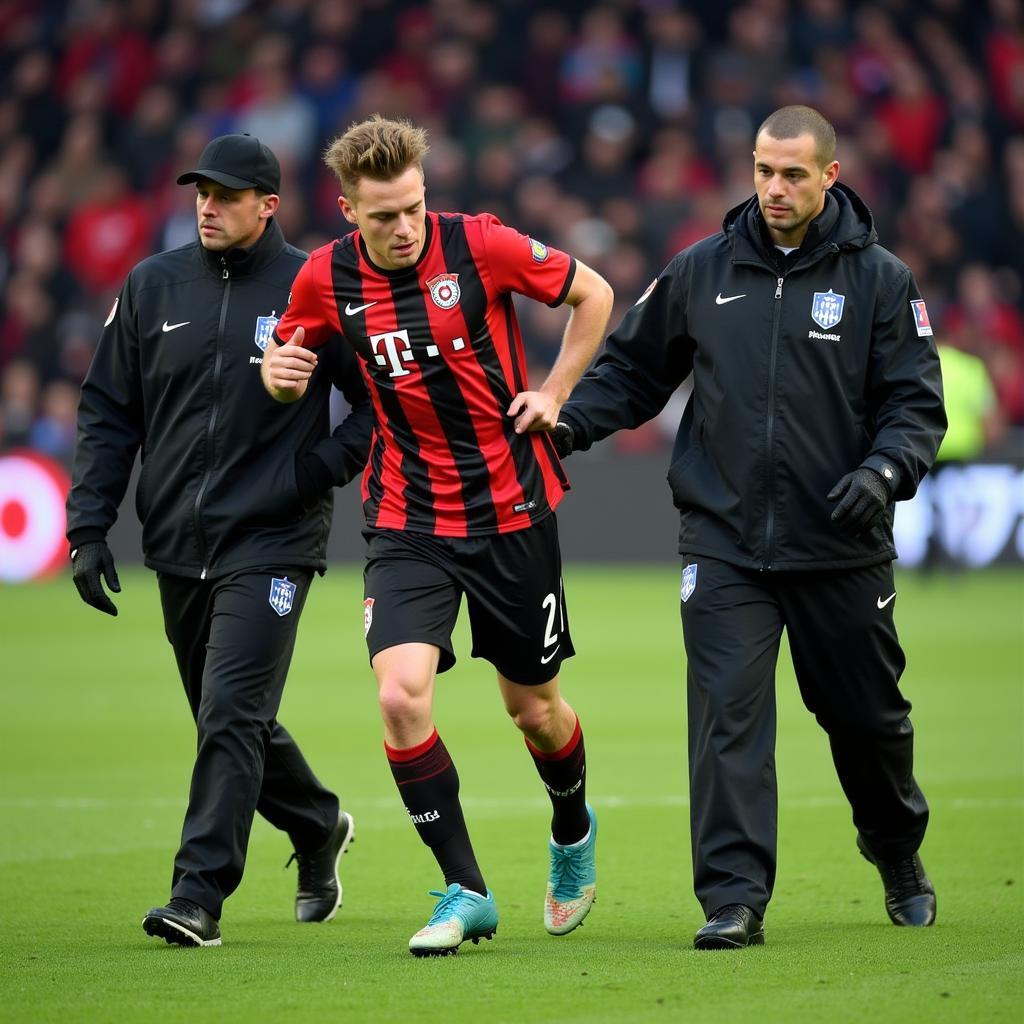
[
  {"x": 429, "y": 786},
  {"x": 564, "y": 775}
]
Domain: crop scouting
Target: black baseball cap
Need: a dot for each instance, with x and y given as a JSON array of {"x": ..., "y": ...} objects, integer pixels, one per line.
[{"x": 237, "y": 161}]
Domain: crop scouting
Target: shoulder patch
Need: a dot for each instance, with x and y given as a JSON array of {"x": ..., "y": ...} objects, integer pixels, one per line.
[
  {"x": 921, "y": 321},
  {"x": 538, "y": 250}
]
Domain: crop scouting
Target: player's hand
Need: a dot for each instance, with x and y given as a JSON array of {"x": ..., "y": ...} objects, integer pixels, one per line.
[
  {"x": 534, "y": 410},
  {"x": 563, "y": 438},
  {"x": 289, "y": 366},
  {"x": 865, "y": 496},
  {"x": 88, "y": 563}
]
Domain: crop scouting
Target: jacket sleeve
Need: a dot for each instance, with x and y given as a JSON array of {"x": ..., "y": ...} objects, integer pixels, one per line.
[
  {"x": 110, "y": 426},
  {"x": 643, "y": 362},
  {"x": 904, "y": 390},
  {"x": 344, "y": 453}
]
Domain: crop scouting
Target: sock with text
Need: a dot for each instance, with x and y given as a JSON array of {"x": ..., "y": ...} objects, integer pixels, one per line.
[
  {"x": 429, "y": 786},
  {"x": 563, "y": 773}
]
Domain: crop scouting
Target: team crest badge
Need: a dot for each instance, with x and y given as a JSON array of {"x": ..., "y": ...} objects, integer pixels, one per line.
[
  {"x": 538, "y": 250},
  {"x": 282, "y": 594},
  {"x": 264, "y": 329},
  {"x": 827, "y": 309},
  {"x": 444, "y": 290},
  {"x": 689, "y": 582},
  {"x": 921, "y": 321},
  {"x": 367, "y": 616}
]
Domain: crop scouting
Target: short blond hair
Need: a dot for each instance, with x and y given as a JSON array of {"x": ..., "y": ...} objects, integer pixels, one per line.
[{"x": 377, "y": 148}]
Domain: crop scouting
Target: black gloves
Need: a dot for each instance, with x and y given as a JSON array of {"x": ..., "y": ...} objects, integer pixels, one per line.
[
  {"x": 865, "y": 496},
  {"x": 312, "y": 479},
  {"x": 89, "y": 561},
  {"x": 563, "y": 439}
]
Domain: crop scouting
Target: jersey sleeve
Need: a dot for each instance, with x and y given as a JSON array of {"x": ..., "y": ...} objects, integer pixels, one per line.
[
  {"x": 309, "y": 306},
  {"x": 518, "y": 263}
]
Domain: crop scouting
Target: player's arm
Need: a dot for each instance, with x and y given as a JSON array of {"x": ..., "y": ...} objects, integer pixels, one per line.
[
  {"x": 591, "y": 299},
  {"x": 286, "y": 369}
]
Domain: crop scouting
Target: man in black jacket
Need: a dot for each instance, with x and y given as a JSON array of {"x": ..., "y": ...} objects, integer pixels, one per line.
[
  {"x": 817, "y": 402},
  {"x": 234, "y": 500}
]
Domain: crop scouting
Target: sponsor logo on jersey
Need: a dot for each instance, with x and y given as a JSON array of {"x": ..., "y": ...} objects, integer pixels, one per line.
[
  {"x": 524, "y": 506},
  {"x": 265, "y": 329},
  {"x": 689, "y": 582},
  {"x": 538, "y": 250},
  {"x": 367, "y": 616},
  {"x": 282, "y": 594},
  {"x": 827, "y": 309},
  {"x": 921, "y": 321},
  {"x": 444, "y": 290}
]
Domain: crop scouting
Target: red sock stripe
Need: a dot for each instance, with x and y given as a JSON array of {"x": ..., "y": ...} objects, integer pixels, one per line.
[
  {"x": 559, "y": 755},
  {"x": 410, "y": 753}
]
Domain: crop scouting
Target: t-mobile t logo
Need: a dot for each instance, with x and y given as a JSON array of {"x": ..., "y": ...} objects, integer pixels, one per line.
[{"x": 396, "y": 351}]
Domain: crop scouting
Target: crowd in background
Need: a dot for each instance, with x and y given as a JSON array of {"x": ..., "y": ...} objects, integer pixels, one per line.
[{"x": 620, "y": 131}]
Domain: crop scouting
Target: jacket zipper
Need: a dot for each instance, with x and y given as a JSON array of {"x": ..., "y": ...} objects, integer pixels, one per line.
[
  {"x": 769, "y": 526},
  {"x": 214, "y": 410}
]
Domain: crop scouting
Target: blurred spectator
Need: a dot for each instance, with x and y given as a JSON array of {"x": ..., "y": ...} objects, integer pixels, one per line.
[
  {"x": 19, "y": 397},
  {"x": 986, "y": 323},
  {"x": 107, "y": 234},
  {"x": 53, "y": 433}
]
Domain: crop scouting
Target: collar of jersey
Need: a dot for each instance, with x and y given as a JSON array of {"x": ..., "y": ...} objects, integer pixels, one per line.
[{"x": 247, "y": 261}]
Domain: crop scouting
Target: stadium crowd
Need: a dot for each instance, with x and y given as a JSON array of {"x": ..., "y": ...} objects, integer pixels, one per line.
[{"x": 617, "y": 130}]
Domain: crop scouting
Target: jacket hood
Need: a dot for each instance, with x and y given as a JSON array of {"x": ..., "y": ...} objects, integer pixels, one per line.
[
  {"x": 247, "y": 261},
  {"x": 845, "y": 222}
]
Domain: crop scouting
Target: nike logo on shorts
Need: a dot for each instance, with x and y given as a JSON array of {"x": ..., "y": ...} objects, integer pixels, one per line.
[
  {"x": 881, "y": 604},
  {"x": 545, "y": 660}
]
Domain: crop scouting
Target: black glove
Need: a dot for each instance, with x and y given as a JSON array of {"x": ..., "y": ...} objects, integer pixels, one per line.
[
  {"x": 865, "y": 497},
  {"x": 563, "y": 438},
  {"x": 312, "y": 479},
  {"x": 89, "y": 561}
]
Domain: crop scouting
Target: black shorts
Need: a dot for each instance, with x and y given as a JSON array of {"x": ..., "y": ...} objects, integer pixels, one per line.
[{"x": 413, "y": 585}]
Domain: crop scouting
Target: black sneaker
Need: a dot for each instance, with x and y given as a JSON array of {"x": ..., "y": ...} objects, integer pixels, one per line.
[
  {"x": 182, "y": 922},
  {"x": 319, "y": 893},
  {"x": 730, "y": 927},
  {"x": 909, "y": 895}
]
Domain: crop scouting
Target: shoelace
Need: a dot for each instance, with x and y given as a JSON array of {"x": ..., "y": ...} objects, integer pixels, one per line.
[
  {"x": 307, "y": 875},
  {"x": 903, "y": 878},
  {"x": 181, "y": 905},
  {"x": 448, "y": 906},
  {"x": 566, "y": 872}
]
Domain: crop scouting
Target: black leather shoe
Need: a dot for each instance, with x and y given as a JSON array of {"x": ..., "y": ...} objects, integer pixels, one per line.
[
  {"x": 909, "y": 895},
  {"x": 319, "y": 893},
  {"x": 183, "y": 923},
  {"x": 730, "y": 927}
]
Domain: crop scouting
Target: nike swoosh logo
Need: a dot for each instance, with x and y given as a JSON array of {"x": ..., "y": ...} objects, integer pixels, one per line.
[
  {"x": 351, "y": 310},
  {"x": 173, "y": 327},
  {"x": 719, "y": 301},
  {"x": 882, "y": 604},
  {"x": 544, "y": 661}
]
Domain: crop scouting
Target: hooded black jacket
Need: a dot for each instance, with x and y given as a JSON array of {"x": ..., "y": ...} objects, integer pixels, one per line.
[
  {"x": 782, "y": 406},
  {"x": 177, "y": 373}
]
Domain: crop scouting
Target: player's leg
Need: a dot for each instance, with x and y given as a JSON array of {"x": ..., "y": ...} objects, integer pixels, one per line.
[
  {"x": 517, "y": 611},
  {"x": 411, "y": 604},
  {"x": 848, "y": 663},
  {"x": 732, "y": 628}
]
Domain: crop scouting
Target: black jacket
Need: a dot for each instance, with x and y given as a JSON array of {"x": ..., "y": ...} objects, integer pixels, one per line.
[
  {"x": 783, "y": 404},
  {"x": 177, "y": 373}
]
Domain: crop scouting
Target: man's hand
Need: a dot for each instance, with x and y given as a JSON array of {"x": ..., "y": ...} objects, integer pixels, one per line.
[
  {"x": 88, "y": 563},
  {"x": 564, "y": 439},
  {"x": 865, "y": 497},
  {"x": 287, "y": 368},
  {"x": 534, "y": 410}
]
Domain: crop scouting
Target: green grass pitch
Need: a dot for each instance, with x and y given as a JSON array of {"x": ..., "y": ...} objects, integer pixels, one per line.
[{"x": 95, "y": 762}]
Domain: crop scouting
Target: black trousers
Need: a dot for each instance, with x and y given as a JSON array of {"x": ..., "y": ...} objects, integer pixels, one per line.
[
  {"x": 848, "y": 662},
  {"x": 233, "y": 648}
]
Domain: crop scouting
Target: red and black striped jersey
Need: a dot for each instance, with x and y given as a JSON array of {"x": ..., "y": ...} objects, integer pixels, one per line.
[{"x": 442, "y": 356}]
